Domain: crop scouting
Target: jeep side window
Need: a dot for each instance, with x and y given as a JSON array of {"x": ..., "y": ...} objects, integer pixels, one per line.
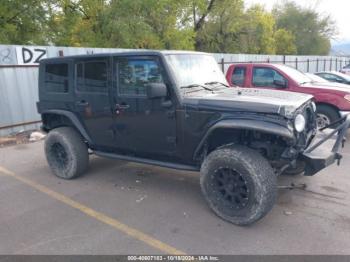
[
  {"x": 267, "y": 77},
  {"x": 135, "y": 74},
  {"x": 56, "y": 78},
  {"x": 238, "y": 76},
  {"x": 91, "y": 76}
]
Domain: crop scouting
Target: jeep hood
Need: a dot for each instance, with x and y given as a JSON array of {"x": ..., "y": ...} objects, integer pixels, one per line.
[{"x": 249, "y": 100}]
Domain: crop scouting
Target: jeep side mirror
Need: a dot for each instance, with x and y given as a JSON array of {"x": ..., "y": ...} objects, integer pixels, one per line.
[
  {"x": 279, "y": 83},
  {"x": 156, "y": 90}
]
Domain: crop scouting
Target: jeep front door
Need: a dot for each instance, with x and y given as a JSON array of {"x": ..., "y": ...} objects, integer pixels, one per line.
[{"x": 142, "y": 125}]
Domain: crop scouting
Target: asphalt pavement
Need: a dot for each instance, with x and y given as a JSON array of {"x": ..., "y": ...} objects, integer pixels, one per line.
[{"x": 120, "y": 207}]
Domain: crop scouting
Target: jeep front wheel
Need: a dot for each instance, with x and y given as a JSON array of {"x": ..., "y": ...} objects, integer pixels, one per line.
[
  {"x": 66, "y": 153},
  {"x": 239, "y": 184}
]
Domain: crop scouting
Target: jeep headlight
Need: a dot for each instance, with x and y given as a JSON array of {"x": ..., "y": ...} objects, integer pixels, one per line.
[
  {"x": 347, "y": 97},
  {"x": 299, "y": 123}
]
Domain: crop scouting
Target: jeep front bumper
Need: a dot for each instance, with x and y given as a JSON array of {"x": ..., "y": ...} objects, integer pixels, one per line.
[{"x": 324, "y": 150}]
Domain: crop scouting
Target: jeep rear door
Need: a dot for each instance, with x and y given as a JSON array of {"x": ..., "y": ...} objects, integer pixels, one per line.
[
  {"x": 93, "y": 104},
  {"x": 142, "y": 125}
]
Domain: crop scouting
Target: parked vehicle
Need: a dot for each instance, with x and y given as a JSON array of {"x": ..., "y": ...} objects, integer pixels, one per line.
[
  {"x": 317, "y": 80},
  {"x": 346, "y": 70},
  {"x": 332, "y": 102},
  {"x": 334, "y": 76},
  {"x": 174, "y": 109}
]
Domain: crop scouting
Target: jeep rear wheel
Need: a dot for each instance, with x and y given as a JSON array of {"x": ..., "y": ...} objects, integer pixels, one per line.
[
  {"x": 66, "y": 153},
  {"x": 239, "y": 184}
]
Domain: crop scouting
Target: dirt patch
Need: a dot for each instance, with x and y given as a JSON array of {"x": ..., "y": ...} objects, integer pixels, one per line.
[{"x": 16, "y": 139}]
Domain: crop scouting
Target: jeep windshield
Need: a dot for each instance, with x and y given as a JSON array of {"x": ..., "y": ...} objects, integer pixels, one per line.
[{"x": 196, "y": 72}]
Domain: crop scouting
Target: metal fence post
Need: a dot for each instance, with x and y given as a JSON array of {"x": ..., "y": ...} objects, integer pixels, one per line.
[
  {"x": 317, "y": 65},
  {"x": 223, "y": 65},
  {"x": 284, "y": 59},
  {"x": 330, "y": 64},
  {"x": 296, "y": 63},
  {"x": 324, "y": 64},
  {"x": 308, "y": 65},
  {"x": 336, "y": 64}
]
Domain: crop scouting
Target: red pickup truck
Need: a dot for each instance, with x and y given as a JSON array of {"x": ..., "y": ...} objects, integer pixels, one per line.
[{"x": 332, "y": 101}]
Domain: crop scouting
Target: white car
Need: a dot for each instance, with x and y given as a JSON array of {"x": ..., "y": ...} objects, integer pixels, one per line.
[
  {"x": 317, "y": 79},
  {"x": 323, "y": 82},
  {"x": 346, "y": 69}
]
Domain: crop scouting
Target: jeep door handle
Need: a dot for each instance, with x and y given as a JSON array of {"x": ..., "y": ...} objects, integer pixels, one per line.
[
  {"x": 82, "y": 103},
  {"x": 121, "y": 106}
]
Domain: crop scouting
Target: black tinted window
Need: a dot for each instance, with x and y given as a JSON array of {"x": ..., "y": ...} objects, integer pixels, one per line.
[
  {"x": 267, "y": 77},
  {"x": 238, "y": 76},
  {"x": 91, "y": 76},
  {"x": 135, "y": 74},
  {"x": 56, "y": 78}
]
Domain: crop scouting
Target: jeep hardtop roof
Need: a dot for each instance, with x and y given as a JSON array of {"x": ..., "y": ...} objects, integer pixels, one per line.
[{"x": 126, "y": 53}]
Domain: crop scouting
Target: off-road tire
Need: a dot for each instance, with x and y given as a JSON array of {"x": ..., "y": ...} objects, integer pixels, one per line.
[
  {"x": 66, "y": 153},
  {"x": 329, "y": 112},
  {"x": 259, "y": 178}
]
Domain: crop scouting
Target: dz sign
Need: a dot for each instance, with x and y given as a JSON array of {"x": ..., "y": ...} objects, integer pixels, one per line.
[{"x": 30, "y": 55}]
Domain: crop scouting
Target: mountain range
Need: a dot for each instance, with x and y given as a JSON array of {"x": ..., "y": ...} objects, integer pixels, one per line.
[{"x": 341, "y": 49}]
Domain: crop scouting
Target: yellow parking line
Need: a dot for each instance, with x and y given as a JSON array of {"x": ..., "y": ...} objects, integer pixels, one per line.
[{"x": 155, "y": 243}]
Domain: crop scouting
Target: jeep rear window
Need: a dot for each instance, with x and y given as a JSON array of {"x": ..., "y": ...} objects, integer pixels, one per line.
[
  {"x": 91, "y": 76},
  {"x": 56, "y": 78}
]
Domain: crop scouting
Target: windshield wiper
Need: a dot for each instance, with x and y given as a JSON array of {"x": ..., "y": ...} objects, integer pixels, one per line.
[
  {"x": 196, "y": 85},
  {"x": 215, "y": 83}
]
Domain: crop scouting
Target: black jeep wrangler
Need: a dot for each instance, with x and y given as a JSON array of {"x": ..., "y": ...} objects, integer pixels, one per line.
[{"x": 174, "y": 109}]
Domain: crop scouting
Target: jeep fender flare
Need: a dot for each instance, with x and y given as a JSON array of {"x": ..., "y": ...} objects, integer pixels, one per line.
[
  {"x": 245, "y": 124},
  {"x": 73, "y": 118}
]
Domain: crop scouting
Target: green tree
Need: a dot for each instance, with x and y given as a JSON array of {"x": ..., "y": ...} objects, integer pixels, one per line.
[
  {"x": 285, "y": 42},
  {"x": 228, "y": 28},
  {"x": 312, "y": 31},
  {"x": 221, "y": 29},
  {"x": 23, "y": 22},
  {"x": 206, "y": 25},
  {"x": 125, "y": 24},
  {"x": 259, "y": 26}
]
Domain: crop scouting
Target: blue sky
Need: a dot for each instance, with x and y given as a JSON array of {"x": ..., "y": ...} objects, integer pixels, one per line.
[{"x": 338, "y": 9}]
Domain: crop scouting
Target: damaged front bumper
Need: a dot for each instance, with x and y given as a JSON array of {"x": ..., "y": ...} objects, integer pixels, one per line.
[{"x": 324, "y": 150}]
